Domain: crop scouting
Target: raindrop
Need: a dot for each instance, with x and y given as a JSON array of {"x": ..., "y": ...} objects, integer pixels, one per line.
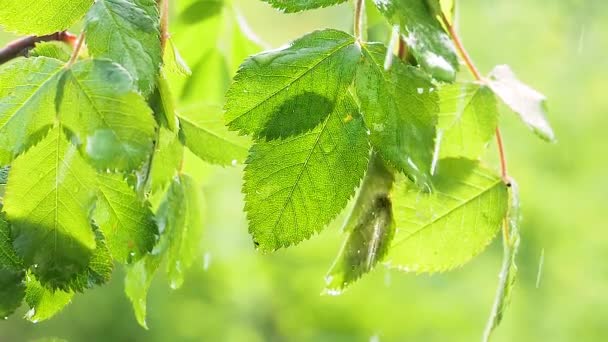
[
  {"x": 206, "y": 261},
  {"x": 234, "y": 162},
  {"x": 420, "y": 90}
]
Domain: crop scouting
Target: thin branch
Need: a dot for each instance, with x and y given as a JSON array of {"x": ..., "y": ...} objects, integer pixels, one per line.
[
  {"x": 359, "y": 10},
  {"x": 76, "y": 51},
  {"x": 164, "y": 23},
  {"x": 21, "y": 46}
]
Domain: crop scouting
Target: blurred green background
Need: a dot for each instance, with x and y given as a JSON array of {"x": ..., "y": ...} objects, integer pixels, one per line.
[{"x": 235, "y": 294}]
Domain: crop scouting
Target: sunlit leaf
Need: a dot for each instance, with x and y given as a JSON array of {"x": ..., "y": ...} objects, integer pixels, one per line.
[
  {"x": 468, "y": 117},
  {"x": 528, "y": 103},
  {"x": 424, "y": 36},
  {"x": 370, "y": 227},
  {"x": 296, "y": 186},
  {"x": 44, "y": 303},
  {"x": 292, "y": 6},
  {"x": 27, "y": 108},
  {"x": 49, "y": 196},
  {"x": 122, "y": 30},
  {"x": 41, "y": 17},
  {"x": 285, "y": 92},
  {"x": 205, "y": 134},
  {"x": 400, "y": 112},
  {"x": 126, "y": 220},
  {"x": 445, "y": 229},
  {"x": 112, "y": 122},
  {"x": 99, "y": 270}
]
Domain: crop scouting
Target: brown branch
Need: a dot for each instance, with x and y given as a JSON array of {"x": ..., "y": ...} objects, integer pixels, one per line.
[{"x": 21, "y": 46}]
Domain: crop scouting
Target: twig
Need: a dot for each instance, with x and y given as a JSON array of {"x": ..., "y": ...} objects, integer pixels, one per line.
[
  {"x": 164, "y": 23},
  {"x": 359, "y": 10},
  {"x": 76, "y": 51},
  {"x": 20, "y": 46}
]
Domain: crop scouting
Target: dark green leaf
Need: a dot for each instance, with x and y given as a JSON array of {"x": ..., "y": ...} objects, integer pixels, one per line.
[
  {"x": 286, "y": 92},
  {"x": 199, "y": 10},
  {"x": 296, "y": 186},
  {"x": 123, "y": 31},
  {"x": 111, "y": 121},
  {"x": 445, "y": 229},
  {"x": 49, "y": 196},
  {"x": 12, "y": 275},
  {"x": 424, "y": 36},
  {"x": 400, "y": 111},
  {"x": 528, "y": 103},
  {"x": 370, "y": 228},
  {"x": 41, "y": 17},
  {"x": 292, "y": 6}
]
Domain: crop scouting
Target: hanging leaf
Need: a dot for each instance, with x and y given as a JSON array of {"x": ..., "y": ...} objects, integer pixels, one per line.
[
  {"x": 468, "y": 117},
  {"x": 292, "y": 6},
  {"x": 445, "y": 229},
  {"x": 296, "y": 186},
  {"x": 127, "y": 222},
  {"x": 56, "y": 50},
  {"x": 286, "y": 92},
  {"x": 528, "y": 103},
  {"x": 122, "y": 31},
  {"x": 370, "y": 228},
  {"x": 27, "y": 108},
  {"x": 204, "y": 133},
  {"x": 41, "y": 17},
  {"x": 113, "y": 123},
  {"x": 49, "y": 196},
  {"x": 44, "y": 303},
  {"x": 424, "y": 36},
  {"x": 180, "y": 222},
  {"x": 137, "y": 282},
  {"x": 508, "y": 273},
  {"x": 400, "y": 112},
  {"x": 167, "y": 159},
  {"x": 99, "y": 270}
]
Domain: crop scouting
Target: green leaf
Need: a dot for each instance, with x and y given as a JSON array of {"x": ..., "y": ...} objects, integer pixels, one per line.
[
  {"x": 12, "y": 275},
  {"x": 27, "y": 109},
  {"x": 400, "y": 111},
  {"x": 508, "y": 273},
  {"x": 424, "y": 36},
  {"x": 56, "y": 50},
  {"x": 180, "y": 222},
  {"x": 468, "y": 117},
  {"x": 49, "y": 196},
  {"x": 204, "y": 133},
  {"x": 370, "y": 228},
  {"x": 123, "y": 31},
  {"x": 113, "y": 123},
  {"x": 126, "y": 221},
  {"x": 445, "y": 229},
  {"x": 44, "y": 303},
  {"x": 528, "y": 103},
  {"x": 292, "y": 6},
  {"x": 41, "y": 17},
  {"x": 174, "y": 62},
  {"x": 168, "y": 156},
  {"x": 285, "y": 92},
  {"x": 296, "y": 186},
  {"x": 137, "y": 282}
]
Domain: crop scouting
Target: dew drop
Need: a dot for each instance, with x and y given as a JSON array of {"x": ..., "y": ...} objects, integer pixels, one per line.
[
  {"x": 420, "y": 90},
  {"x": 235, "y": 162}
]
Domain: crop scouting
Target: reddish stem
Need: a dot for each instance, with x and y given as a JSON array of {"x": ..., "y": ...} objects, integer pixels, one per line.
[{"x": 21, "y": 46}]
